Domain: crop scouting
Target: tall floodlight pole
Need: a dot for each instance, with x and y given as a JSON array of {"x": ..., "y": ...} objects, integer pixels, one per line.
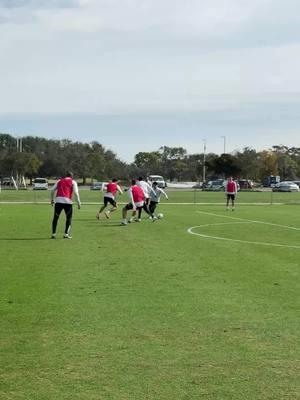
[
  {"x": 224, "y": 141},
  {"x": 204, "y": 156},
  {"x": 19, "y": 144}
]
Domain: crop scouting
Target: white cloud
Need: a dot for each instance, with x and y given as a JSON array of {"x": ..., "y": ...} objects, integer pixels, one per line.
[{"x": 150, "y": 55}]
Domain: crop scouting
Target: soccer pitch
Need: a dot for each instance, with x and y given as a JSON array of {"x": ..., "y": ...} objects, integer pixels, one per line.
[{"x": 203, "y": 304}]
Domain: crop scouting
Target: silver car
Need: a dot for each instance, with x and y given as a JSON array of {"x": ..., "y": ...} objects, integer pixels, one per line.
[{"x": 286, "y": 186}]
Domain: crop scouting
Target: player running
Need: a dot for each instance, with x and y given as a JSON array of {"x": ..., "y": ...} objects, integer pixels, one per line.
[
  {"x": 154, "y": 200},
  {"x": 112, "y": 188},
  {"x": 230, "y": 191},
  {"x": 147, "y": 188},
  {"x": 64, "y": 188},
  {"x": 137, "y": 198}
]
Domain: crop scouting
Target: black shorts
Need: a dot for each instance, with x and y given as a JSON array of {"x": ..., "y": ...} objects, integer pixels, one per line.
[
  {"x": 109, "y": 200},
  {"x": 231, "y": 196},
  {"x": 68, "y": 209},
  {"x": 152, "y": 206},
  {"x": 129, "y": 206}
]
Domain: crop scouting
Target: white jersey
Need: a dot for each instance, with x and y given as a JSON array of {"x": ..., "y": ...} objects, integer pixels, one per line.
[
  {"x": 147, "y": 189},
  {"x": 157, "y": 191}
]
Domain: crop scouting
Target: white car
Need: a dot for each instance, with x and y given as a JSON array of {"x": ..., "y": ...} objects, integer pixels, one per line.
[
  {"x": 159, "y": 179},
  {"x": 98, "y": 186},
  {"x": 286, "y": 186},
  {"x": 40, "y": 184}
]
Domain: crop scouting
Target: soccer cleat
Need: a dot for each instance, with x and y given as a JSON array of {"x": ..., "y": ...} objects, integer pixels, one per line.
[
  {"x": 154, "y": 219},
  {"x": 67, "y": 236},
  {"x": 138, "y": 220},
  {"x": 124, "y": 223},
  {"x": 53, "y": 236},
  {"x": 98, "y": 216},
  {"x": 107, "y": 214}
]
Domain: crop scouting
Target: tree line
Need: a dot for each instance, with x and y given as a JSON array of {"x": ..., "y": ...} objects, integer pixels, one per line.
[
  {"x": 50, "y": 158},
  {"x": 175, "y": 163}
]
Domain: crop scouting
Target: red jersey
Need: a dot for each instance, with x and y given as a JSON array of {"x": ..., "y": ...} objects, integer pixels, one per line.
[
  {"x": 231, "y": 187},
  {"x": 137, "y": 194},
  {"x": 65, "y": 188},
  {"x": 112, "y": 187}
]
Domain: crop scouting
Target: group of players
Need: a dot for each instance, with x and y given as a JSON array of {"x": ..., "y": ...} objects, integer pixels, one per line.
[{"x": 142, "y": 196}]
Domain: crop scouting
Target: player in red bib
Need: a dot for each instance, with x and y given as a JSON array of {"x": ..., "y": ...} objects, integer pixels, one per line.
[
  {"x": 112, "y": 188},
  {"x": 137, "y": 198},
  {"x": 230, "y": 191},
  {"x": 64, "y": 188}
]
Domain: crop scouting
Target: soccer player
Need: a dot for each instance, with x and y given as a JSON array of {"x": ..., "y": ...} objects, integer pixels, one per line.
[
  {"x": 64, "y": 188},
  {"x": 154, "y": 200},
  {"x": 230, "y": 191},
  {"x": 147, "y": 188},
  {"x": 136, "y": 203},
  {"x": 109, "y": 197}
]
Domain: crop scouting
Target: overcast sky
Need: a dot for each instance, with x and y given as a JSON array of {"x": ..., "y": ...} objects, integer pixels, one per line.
[{"x": 139, "y": 74}]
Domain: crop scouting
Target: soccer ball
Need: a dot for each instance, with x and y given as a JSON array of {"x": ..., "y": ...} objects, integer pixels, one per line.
[{"x": 160, "y": 216}]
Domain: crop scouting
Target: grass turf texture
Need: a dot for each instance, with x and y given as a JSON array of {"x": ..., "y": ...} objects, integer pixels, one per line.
[
  {"x": 176, "y": 196},
  {"x": 149, "y": 311}
]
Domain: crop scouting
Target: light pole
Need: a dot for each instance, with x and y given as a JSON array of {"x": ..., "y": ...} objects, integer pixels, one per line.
[
  {"x": 19, "y": 144},
  {"x": 204, "y": 156},
  {"x": 224, "y": 139}
]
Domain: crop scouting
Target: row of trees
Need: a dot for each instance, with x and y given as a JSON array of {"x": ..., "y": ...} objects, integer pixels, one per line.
[
  {"x": 175, "y": 163},
  {"x": 48, "y": 158}
]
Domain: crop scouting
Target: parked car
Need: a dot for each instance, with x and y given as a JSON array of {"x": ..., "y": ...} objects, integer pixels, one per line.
[
  {"x": 245, "y": 184},
  {"x": 198, "y": 185},
  {"x": 40, "y": 184},
  {"x": 6, "y": 182},
  {"x": 286, "y": 186},
  {"x": 159, "y": 179},
  {"x": 98, "y": 185},
  {"x": 215, "y": 186},
  {"x": 271, "y": 181}
]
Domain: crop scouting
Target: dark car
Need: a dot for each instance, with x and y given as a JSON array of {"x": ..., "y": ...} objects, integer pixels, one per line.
[
  {"x": 245, "y": 184},
  {"x": 215, "y": 186}
]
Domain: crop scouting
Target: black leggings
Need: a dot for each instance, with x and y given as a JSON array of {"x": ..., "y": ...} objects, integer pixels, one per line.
[
  {"x": 152, "y": 206},
  {"x": 68, "y": 208},
  {"x": 145, "y": 208}
]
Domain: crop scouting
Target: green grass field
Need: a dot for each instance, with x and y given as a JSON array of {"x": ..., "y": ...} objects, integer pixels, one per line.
[
  {"x": 177, "y": 196},
  {"x": 150, "y": 311}
]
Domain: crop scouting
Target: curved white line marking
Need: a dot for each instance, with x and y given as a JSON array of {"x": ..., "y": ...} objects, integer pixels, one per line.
[
  {"x": 249, "y": 220},
  {"x": 190, "y": 230}
]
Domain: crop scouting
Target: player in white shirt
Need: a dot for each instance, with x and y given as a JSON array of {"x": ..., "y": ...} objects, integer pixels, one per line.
[
  {"x": 155, "y": 199},
  {"x": 147, "y": 189}
]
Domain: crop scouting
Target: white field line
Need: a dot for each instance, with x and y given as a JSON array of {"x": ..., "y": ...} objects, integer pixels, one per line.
[
  {"x": 241, "y": 221},
  {"x": 249, "y": 220},
  {"x": 190, "y": 230}
]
